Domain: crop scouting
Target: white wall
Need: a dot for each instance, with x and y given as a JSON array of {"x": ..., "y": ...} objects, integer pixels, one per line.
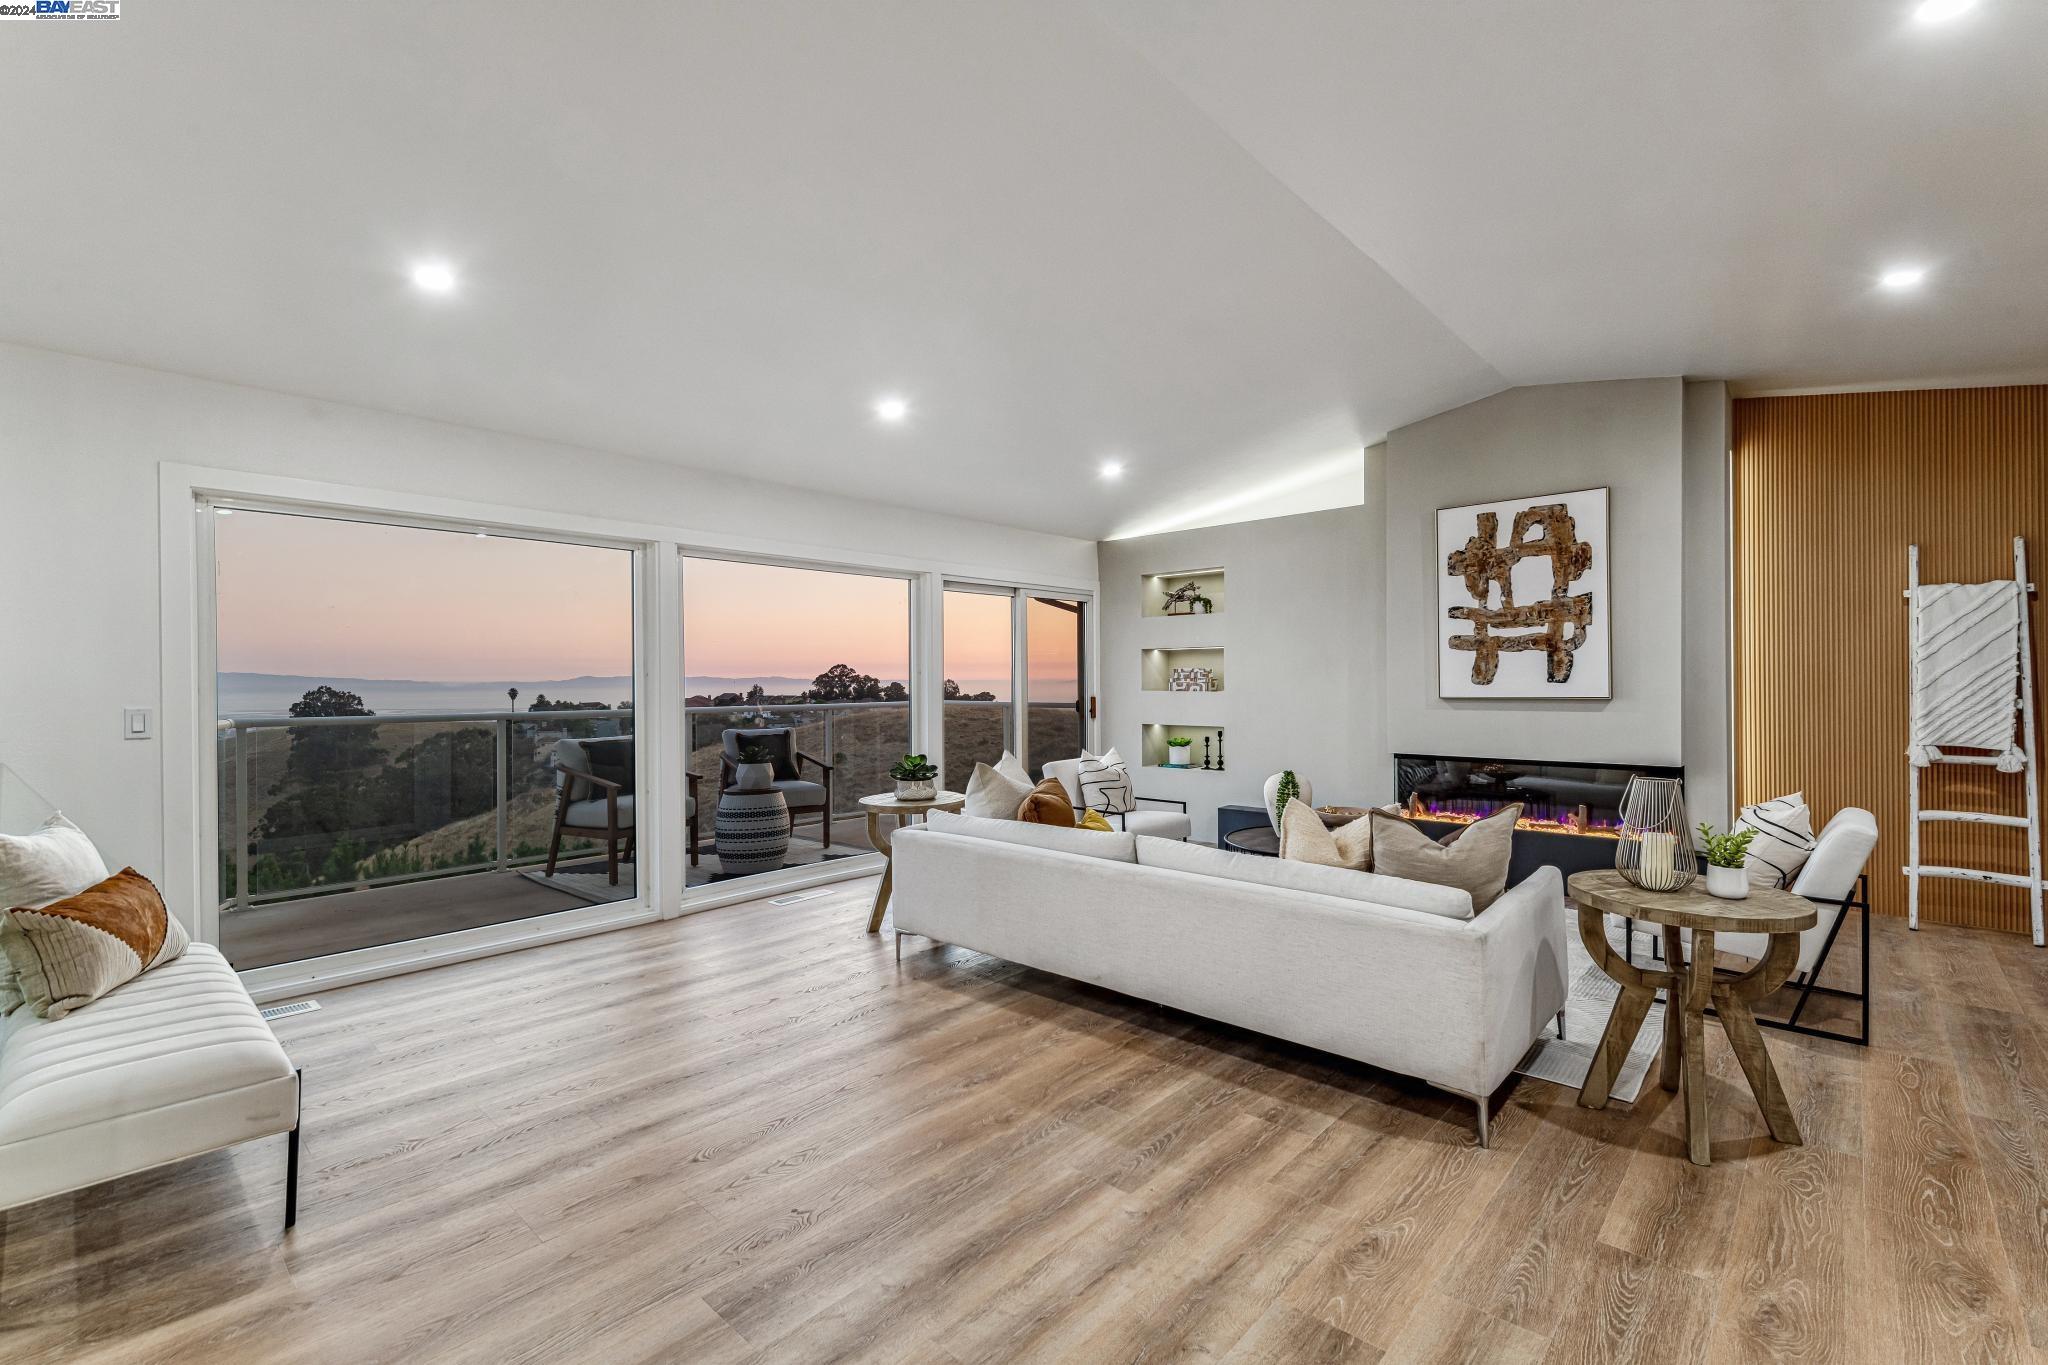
[
  {"x": 1708, "y": 561},
  {"x": 80, "y": 443},
  {"x": 1625, "y": 435},
  {"x": 1300, "y": 629}
]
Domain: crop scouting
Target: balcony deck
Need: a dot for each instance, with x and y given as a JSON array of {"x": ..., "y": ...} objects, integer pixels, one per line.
[{"x": 293, "y": 931}]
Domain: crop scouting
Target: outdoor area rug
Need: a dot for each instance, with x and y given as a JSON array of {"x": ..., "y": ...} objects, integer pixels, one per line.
[{"x": 1566, "y": 1061}]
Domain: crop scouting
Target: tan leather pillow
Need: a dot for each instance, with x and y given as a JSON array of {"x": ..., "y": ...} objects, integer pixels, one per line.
[
  {"x": 1473, "y": 858},
  {"x": 1304, "y": 838},
  {"x": 1048, "y": 805},
  {"x": 73, "y": 951}
]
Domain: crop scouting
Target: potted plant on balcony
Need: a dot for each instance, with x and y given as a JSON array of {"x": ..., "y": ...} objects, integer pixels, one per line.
[
  {"x": 916, "y": 779},
  {"x": 1727, "y": 859},
  {"x": 1177, "y": 751},
  {"x": 755, "y": 772}
]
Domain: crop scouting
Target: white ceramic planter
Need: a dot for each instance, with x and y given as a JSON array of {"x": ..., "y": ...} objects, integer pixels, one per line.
[
  {"x": 753, "y": 777},
  {"x": 1177, "y": 758},
  {"x": 1729, "y": 883},
  {"x": 1307, "y": 793}
]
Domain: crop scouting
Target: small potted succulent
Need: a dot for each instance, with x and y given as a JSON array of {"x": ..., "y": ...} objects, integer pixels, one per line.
[
  {"x": 1177, "y": 751},
  {"x": 1203, "y": 606},
  {"x": 1727, "y": 856},
  {"x": 755, "y": 772},
  {"x": 916, "y": 779}
]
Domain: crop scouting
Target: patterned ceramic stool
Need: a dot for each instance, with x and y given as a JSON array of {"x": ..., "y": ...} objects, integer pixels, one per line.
[{"x": 752, "y": 832}]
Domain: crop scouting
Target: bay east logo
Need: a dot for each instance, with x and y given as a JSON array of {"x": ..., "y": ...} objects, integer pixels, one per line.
[{"x": 62, "y": 9}]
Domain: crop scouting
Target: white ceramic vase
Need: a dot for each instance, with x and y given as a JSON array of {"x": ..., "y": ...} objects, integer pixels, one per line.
[
  {"x": 753, "y": 777},
  {"x": 1177, "y": 757},
  {"x": 1306, "y": 793},
  {"x": 1729, "y": 883}
]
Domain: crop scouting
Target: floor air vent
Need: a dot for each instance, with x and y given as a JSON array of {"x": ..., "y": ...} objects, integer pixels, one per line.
[
  {"x": 287, "y": 1011},
  {"x": 802, "y": 896}
]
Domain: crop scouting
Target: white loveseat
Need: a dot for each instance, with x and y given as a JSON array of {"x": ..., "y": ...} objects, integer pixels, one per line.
[
  {"x": 175, "y": 1063},
  {"x": 1377, "y": 969}
]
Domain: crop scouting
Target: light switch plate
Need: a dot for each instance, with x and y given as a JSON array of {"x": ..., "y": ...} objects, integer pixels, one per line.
[{"x": 136, "y": 722}]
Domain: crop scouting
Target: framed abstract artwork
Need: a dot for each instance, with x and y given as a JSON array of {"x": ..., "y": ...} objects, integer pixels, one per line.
[{"x": 1522, "y": 598}]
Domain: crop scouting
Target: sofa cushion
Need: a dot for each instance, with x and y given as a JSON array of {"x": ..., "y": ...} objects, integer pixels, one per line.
[
  {"x": 776, "y": 739},
  {"x": 1105, "y": 781},
  {"x": 1345, "y": 883},
  {"x": 1473, "y": 858},
  {"x": 73, "y": 951},
  {"x": 993, "y": 795},
  {"x": 54, "y": 862},
  {"x": 1116, "y": 847},
  {"x": 1047, "y": 804},
  {"x": 1784, "y": 839},
  {"x": 591, "y": 814}
]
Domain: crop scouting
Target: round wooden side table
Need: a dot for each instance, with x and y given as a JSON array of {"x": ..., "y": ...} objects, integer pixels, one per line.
[
  {"x": 1689, "y": 987},
  {"x": 879, "y": 835}
]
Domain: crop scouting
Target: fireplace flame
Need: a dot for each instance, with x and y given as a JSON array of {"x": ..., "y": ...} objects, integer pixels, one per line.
[{"x": 1578, "y": 821}]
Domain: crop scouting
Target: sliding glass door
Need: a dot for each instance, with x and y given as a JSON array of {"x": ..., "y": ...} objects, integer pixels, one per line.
[
  {"x": 981, "y": 719},
  {"x": 420, "y": 730},
  {"x": 1056, "y": 643},
  {"x": 797, "y": 702}
]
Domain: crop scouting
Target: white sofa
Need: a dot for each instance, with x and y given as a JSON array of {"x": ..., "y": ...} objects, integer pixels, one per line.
[
  {"x": 173, "y": 1064},
  {"x": 1319, "y": 956}
]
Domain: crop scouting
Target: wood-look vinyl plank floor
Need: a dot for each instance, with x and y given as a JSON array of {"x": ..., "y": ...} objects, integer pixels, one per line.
[{"x": 752, "y": 1136}]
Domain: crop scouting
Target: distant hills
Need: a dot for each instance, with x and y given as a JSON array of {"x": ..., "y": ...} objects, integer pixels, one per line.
[{"x": 271, "y": 694}]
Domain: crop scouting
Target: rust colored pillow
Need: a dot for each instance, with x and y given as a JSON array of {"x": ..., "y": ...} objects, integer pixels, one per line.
[
  {"x": 73, "y": 951},
  {"x": 1048, "y": 805}
]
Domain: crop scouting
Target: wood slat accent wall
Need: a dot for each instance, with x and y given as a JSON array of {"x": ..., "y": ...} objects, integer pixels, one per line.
[{"x": 1829, "y": 491}]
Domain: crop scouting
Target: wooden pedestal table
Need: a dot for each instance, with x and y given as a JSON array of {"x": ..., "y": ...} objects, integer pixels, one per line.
[
  {"x": 1689, "y": 987},
  {"x": 879, "y": 833}
]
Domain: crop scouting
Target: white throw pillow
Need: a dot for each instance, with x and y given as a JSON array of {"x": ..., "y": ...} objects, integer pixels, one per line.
[
  {"x": 992, "y": 795},
  {"x": 1106, "y": 783},
  {"x": 1784, "y": 839},
  {"x": 55, "y": 862},
  {"x": 1012, "y": 767}
]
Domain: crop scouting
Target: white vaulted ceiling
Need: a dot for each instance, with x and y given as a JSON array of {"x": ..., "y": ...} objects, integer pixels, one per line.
[{"x": 1227, "y": 244}]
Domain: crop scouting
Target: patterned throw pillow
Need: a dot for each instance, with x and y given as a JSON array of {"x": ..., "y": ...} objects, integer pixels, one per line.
[
  {"x": 1474, "y": 858},
  {"x": 1106, "y": 783},
  {"x": 35, "y": 869},
  {"x": 73, "y": 951},
  {"x": 1784, "y": 839},
  {"x": 1047, "y": 805}
]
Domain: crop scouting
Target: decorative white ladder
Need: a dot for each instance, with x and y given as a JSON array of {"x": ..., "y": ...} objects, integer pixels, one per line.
[{"x": 2023, "y": 702}]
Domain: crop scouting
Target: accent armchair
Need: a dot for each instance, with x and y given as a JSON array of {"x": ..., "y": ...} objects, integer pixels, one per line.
[
  {"x": 595, "y": 780},
  {"x": 788, "y": 764}
]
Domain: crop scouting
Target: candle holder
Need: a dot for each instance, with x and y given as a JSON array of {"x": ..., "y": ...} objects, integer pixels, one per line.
[
  {"x": 1655, "y": 847},
  {"x": 1205, "y": 754}
]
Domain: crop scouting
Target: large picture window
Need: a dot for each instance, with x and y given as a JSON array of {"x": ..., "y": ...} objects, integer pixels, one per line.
[{"x": 420, "y": 730}]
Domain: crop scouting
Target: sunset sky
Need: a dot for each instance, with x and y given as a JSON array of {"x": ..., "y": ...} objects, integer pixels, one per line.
[{"x": 321, "y": 597}]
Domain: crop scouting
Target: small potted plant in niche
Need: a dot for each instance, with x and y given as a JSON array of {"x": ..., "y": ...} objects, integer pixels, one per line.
[
  {"x": 755, "y": 772},
  {"x": 1727, "y": 858},
  {"x": 1177, "y": 750},
  {"x": 1203, "y": 606},
  {"x": 916, "y": 779}
]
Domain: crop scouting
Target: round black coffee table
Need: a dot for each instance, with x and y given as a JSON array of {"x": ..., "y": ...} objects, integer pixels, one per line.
[{"x": 1260, "y": 839}]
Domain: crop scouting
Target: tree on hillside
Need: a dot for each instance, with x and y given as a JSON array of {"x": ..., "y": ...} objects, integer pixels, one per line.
[
  {"x": 841, "y": 682},
  {"x": 541, "y": 703},
  {"x": 953, "y": 693},
  {"x": 895, "y": 691},
  {"x": 320, "y": 751}
]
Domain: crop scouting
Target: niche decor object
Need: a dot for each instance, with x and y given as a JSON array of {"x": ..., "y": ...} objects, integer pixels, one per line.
[
  {"x": 1522, "y": 600},
  {"x": 1655, "y": 848},
  {"x": 1189, "y": 680},
  {"x": 1187, "y": 600}
]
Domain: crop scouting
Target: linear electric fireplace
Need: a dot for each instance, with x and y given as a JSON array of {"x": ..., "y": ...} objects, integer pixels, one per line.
[{"x": 1570, "y": 811}]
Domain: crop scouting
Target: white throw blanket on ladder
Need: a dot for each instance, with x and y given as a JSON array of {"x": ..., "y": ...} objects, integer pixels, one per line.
[{"x": 1966, "y": 665}]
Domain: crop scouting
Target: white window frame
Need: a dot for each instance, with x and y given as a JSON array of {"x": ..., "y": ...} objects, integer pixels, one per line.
[
  {"x": 1020, "y": 595},
  {"x": 189, "y": 777}
]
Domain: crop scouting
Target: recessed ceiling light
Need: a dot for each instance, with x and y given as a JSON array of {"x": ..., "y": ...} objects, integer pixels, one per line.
[
  {"x": 434, "y": 277},
  {"x": 1903, "y": 277},
  {"x": 1941, "y": 11},
  {"x": 1112, "y": 469},
  {"x": 891, "y": 409}
]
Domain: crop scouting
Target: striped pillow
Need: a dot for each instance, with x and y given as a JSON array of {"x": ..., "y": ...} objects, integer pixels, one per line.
[
  {"x": 1106, "y": 783},
  {"x": 1784, "y": 839}
]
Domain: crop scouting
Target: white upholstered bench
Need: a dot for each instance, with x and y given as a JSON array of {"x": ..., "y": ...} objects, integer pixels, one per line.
[{"x": 174, "y": 1064}]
